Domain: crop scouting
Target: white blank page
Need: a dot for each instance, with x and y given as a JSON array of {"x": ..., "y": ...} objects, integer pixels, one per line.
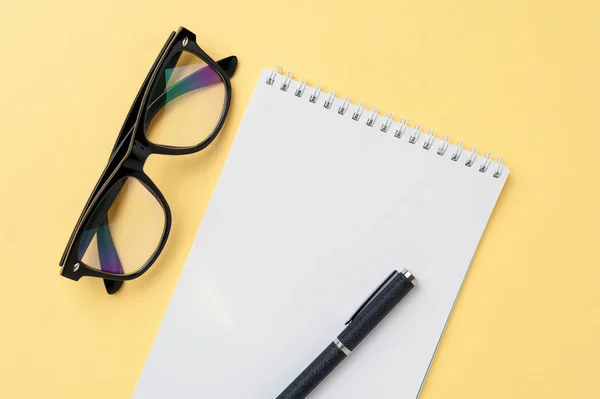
[{"x": 311, "y": 212}]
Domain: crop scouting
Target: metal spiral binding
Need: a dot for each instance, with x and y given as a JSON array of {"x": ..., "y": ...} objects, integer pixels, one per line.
[
  {"x": 442, "y": 150},
  {"x": 373, "y": 118},
  {"x": 415, "y": 136},
  {"x": 300, "y": 89},
  {"x": 271, "y": 77},
  {"x": 487, "y": 160},
  {"x": 342, "y": 109},
  {"x": 472, "y": 157},
  {"x": 387, "y": 124},
  {"x": 359, "y": 110},
  {"x": 329, "y": 100},
  {"x": 499, "y": 168},
  {"x": 430, "y": 139},
  {"x": 401, "y": 128},
  {"x": 314, "y": 96},
  {"x": 287, "y": 81},
  {"x": 459, "y": 149}
]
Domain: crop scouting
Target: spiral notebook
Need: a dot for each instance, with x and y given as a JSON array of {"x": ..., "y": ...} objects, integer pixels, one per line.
[{"x": 318, "y": 201}]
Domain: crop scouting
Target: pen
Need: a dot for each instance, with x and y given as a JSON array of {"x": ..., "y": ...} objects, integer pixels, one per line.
[{"x": 372, "y": 311}]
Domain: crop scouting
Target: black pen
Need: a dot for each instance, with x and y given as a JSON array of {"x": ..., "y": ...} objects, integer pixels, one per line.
[{"x": 361, "y": 323}]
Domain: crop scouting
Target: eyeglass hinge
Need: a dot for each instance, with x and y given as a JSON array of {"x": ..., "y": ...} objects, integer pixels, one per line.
[{"x": 140, "y": 151}]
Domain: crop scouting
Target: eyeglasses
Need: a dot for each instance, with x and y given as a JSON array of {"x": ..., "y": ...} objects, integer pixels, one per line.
[{"x": 179, "y": 109}]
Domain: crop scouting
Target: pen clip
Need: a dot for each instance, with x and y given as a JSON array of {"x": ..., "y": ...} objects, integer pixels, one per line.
[{"x": 372, "y": 296}]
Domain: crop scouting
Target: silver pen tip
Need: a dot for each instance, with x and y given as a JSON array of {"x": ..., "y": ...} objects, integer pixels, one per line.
[{"x": 409, "y": 276}]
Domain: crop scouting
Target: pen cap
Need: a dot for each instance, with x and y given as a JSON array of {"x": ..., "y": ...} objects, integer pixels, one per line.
[{"x": 377, "y": 309}]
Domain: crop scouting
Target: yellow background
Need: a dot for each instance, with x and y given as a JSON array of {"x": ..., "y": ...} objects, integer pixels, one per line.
[{"x": 519, "y": 78}]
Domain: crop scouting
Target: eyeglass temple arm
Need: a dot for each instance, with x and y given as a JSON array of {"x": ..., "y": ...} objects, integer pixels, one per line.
[
  {"x": 106, "y": 251},
  {"x": 98, "y": 224}
]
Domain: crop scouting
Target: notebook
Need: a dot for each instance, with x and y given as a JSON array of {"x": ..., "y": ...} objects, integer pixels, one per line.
[{"x": 318, "y": 201}]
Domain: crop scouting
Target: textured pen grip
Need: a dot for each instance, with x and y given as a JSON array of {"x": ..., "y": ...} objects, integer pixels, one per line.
[
  {"x": 316, "y": 372},
  {"x": 375, "y": 311}
]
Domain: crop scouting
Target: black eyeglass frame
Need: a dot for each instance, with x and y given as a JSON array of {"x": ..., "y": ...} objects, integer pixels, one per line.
[{"x": 130, "y": 152}]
